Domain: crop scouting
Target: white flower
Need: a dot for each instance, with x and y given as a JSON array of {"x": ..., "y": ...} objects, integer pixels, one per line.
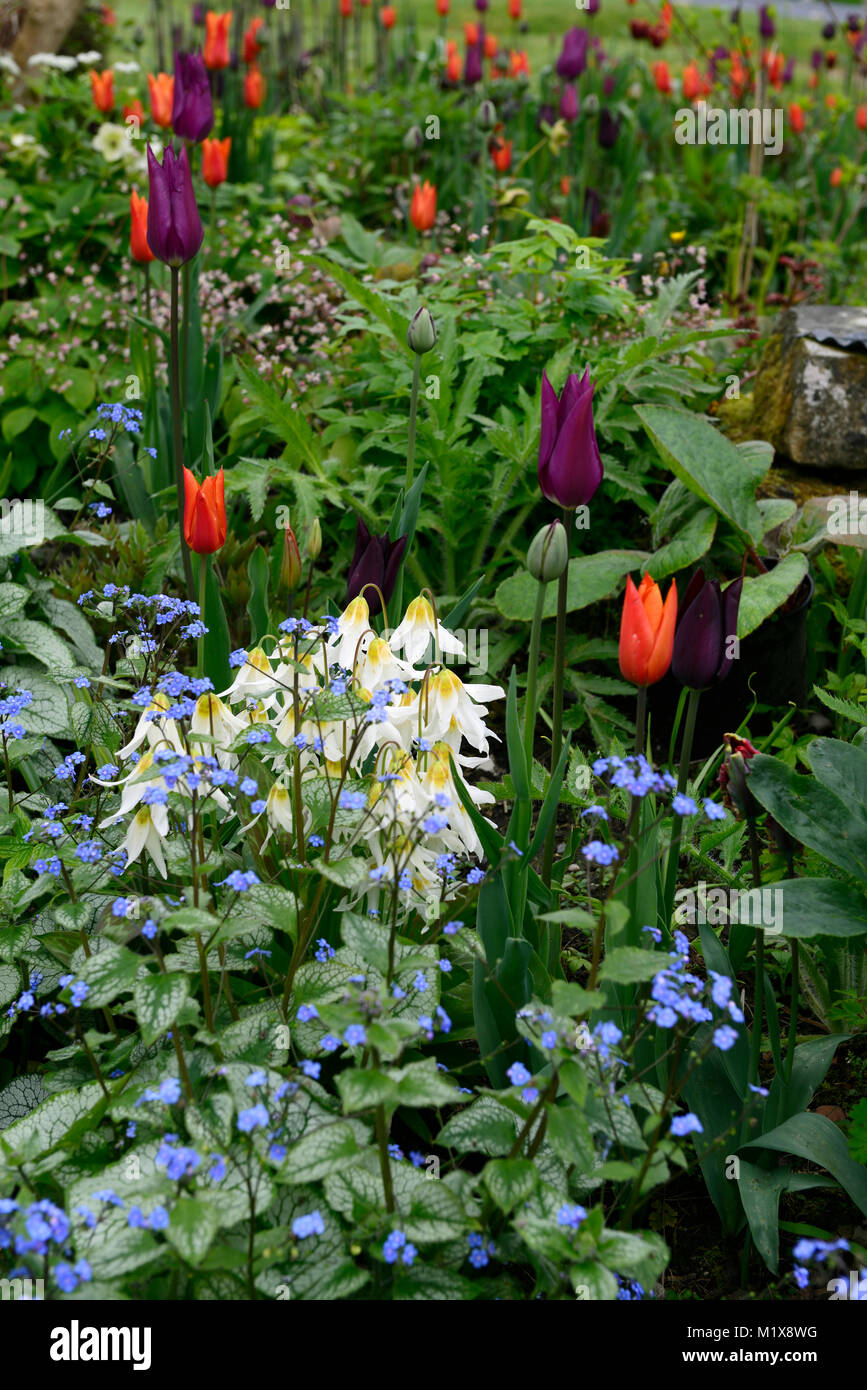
[
  {"x": 111, "y": 142},
  {"x": 352, "y": 625},
  {"x": 156, "y": 732},
  {"x": 88, "y": 59},
  {"x": 211, "y": 716},
  {"x": 22, "y": 139},
  {"x": 438, "y": 781},
  {"x": 147, "y": 829},
  {"x": 51, "y": 60},
  {"x": 125, "y": 67},
  {"x": 8, "y": 64},
  {"x": 452, "y": 713},
  {"x": 419, "y": 625},
  {"x": 378, "y": 664},
  {"x": 255, "y": 678}
]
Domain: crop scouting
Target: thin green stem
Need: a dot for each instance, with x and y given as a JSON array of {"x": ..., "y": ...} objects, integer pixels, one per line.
[
  {"x": 413, "y": 420},
  {"x": 682, "y": 778},
  {"x": 203, "y": 585},
  {"x": 532, "y": 676},
  {"x": 559, "y": 672},
  {"x": 177, "y": 433}
]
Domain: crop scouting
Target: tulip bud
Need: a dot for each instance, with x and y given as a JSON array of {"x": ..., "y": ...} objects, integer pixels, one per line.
[
  {"x": 290, "y": 569},
  {"x": 314, "y": 540},
  {"x": 413, "y": 140},
  {"x": 422, "y": 333},
  {"x": 548, "y": 555},
  {"x": 138, "y": 36},
  {"x": 486, "y": 116},
  {"x": 734, "y": 772}
]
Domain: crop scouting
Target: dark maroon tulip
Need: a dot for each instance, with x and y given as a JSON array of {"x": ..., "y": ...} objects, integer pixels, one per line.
[
  {"x": 570, "y": 468},
  {"x": 608, "y": 85},
  {"x": 193, "y": 107},
  {"x": 609, "y": 129},
  {"x": 482, "y": 5},
  {"x": 767, "y": 27},
  {"x": 198, "y": 15},
  {"x": 573, "y": 58},
  {"x": 174, "y": 226},
  {"x": 708, "y": 620},
  {"x": 789, "y": 70},
  {"x": 828, "y": 30},
  {"x": 376, "y": 561},
  {"x": 473, "y": 71},
  {"x": 569, "y": 103},
  {"x": 547, "y": 116},
  {"x": 735, "y": 16}
]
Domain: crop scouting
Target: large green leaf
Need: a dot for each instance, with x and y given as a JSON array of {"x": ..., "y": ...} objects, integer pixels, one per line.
[
  {"x": 591, "y": 578},
  {"x": 157, "y": 1000},
  {"x": 816, "y": 1139},
  {"x": 812, "y": 814},
  {"x": 763, "y": 594},
  {"x": 328, "y": 1149},
  {"x": 820, "y": 907},
  {"x": 707, "y": 463},
  {"x": 691, "y": 542},
  {"x": 110, "y": 972},
  {"x": 840, "y": 766},
  {"x": 760, "y": 1191},
  {"x": 192, "y": 1228}
]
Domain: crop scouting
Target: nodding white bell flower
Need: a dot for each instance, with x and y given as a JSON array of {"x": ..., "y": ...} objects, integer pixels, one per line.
[
  {"x": 378, "y": 664},
  {"x": 308, "y": 677},
  {"x": 399, "y": 793},
  {"x": 147, "y": 830},
  {"x": 352, "y": 625},
  {"x": 438, "y": 782},
  {"x": 134, "y": 788},
  {"x": 401, "y": 854},
  {"x": 211, "y": 716},
  {"x": 420, "y": 625},
  {"x": 280, "y": 814},
  {"x": 155, "y": 731},
  {"x": 451, "y": 709},
  {"x": 255, "y": 678}
]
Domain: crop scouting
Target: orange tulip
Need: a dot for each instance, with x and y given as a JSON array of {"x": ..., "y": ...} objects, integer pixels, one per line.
[
  {"x": 135, "y": 109},
  {"x": 102, "y": 86},
  {"x": 519, "y": 63},
  {"x": 471, "y": 33},
  {"x": 692, "y": 83},
  {"x": 662, "y": 77},
  {"x": 501, "y": 154},
  {"x": 215, "y": 161},
  {"x": 443, "y": 7},
  {"x": 252, "y": 47},
  {"x": 836, "y": 178},
  {"x": 254, "y": 87},
  {"x": 108, "y": 16},
  {"x": 813, "y": 81},
  {"x": 775, "y": 65},
  {"x": 423, "y": 209},
  {"x": 204, "y": 513},
  {"x": 388, "y": 16},
  {"x": 565, "y": 185},
  {"x": 830, "y": 101},
  {"x": 216, "y": 53},
  {"x": 346, "y": 8},
  {"x": 739, "y": 75},
  {"x": 796, "y": 117},
  {"x": 515, "y": 7},
  {"x": 647, "y": 631},
  {"x": 454, "y": 67},
  {"x": 491, "y": 46},
  {"x": 138, "y": 231},
  {"x": 861, "y": 117},
  {"x": 162, "y": 95}
]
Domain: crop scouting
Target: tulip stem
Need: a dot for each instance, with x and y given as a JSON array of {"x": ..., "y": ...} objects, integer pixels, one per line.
[
  {"x": 683, "y": 774},
  {"x": 413, "y": 417},
  {"x": 640, "y": 719},
  {"x": 532, "y": 673},
  {"x": 177, "y": 438},
  {"x": 203, "y": 583},
  {"x": 559, "y": 671}
]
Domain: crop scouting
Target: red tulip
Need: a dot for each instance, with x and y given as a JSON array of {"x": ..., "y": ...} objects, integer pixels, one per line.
[
  {"x": 796, "y": 117},
  {"x": 204, "y": 513},
  {"x": 162, "y": 95},
  {"x": 388, "y": 16},
  {"x": 254, "y": 87},
  {"x": 216, "y": 52},
  {"x": 252, "y": 47},
  {"x": 646, "y": 632},
  {"x": 861, "y": 117},
  {"x": 501, "y": 154},
  {"x": 662, "y": 77},
  {"x": 102, "y": 86},
  {"x": 515, "y": 7},
  {"x": 423, "y": 209},
  {"x": 138, "y": 231},
  {"x": 135, "y": 109},
  {"x": 443, "y": 7},
  {"x": 215, "y": 161}
]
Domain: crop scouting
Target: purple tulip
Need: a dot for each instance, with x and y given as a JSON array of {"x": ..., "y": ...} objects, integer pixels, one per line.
[
  {"x": 829, "y": 30},
  {"x": 482, "y": 5},
  {"x": 473, "y": 67},
  {"x": 547, "y": 116},
  {"x": 573, "y": 59},
  {"x": 198, "y": 15},
  {"x": 853, "y": 23},
  {"x": 175, "y": 230},
  {"x": 593, "y": 6},
  {"x": 609, "y": 129},
  {"x": 570, "y": 468},
  {"x": 376, "y": 561},
  {"x": 789, "y": 70},
  {"x": 569, "y": 103},
  {"x": 767, "y": 27},
  {"x": 608, "y": 85},
  {"x": 817, "y": 59},
  {"x": 192, "y": 108},
  {"x": 708, "y": 621}
]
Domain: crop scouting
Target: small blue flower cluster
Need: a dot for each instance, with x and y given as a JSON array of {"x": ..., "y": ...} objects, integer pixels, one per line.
[
  {"x": 678, "y": 994},
  {"x": 806, "y": 1250},
  {"x": 480, "y": 1250},
  {"x": 397, "y": 1247},
  {"x": 47, "y": 1226},
  {"x": 10, "y": 708},
  {"x": 257, "y": 1116}
]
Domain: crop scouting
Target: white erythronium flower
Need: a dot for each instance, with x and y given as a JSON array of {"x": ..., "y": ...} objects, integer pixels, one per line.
[
  {"x": 156, "y": 731},
  {"x": 147, "y": 830},
  {"x": 420, "y": 625},
  {"x": 126, "y": 67},
  {"x": 88, "y": 59},
  {"x": 452, "y": 710},
  {"x": 254, "y": 679},
  {"x": 352, "y": 625},
  {"x": 8, "y": 64},
  {"x": 211, "y": 716},
  {"x": 377, "y": 664},
  {"x": 111, "y": 142},
  {"x": 59, "y": 61},
  {"x": 437, "y": 780}
]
